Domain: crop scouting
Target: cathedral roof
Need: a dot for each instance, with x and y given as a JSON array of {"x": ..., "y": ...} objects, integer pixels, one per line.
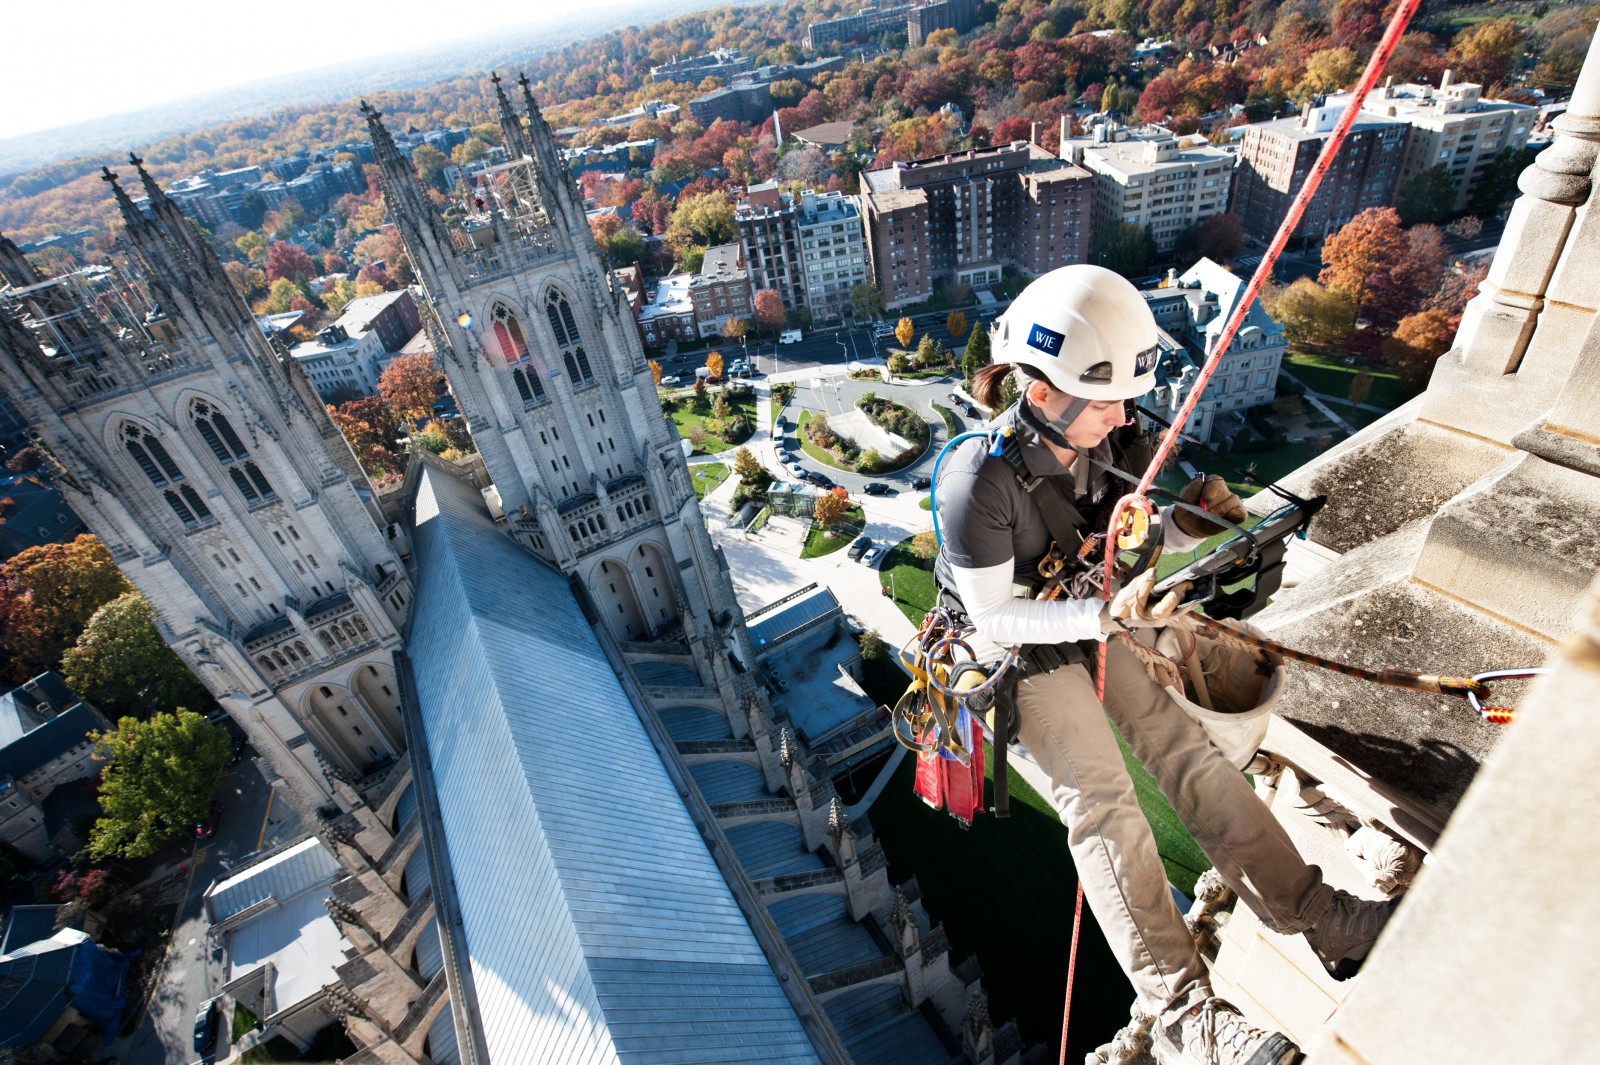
[{"x": 594, "y": 924}]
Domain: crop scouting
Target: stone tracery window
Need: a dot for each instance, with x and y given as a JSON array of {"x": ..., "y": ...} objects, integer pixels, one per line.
[
  {"x": 513, "y": 345},
  {"x": 565, "y": 328},
  {"x": 152, "y": 457},
  {"x": 230, "y": 451}
]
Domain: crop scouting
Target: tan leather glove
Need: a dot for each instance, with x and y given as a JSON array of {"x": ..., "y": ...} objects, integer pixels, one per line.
[
  {"x": 1212, "y": 493},
  {"x": 1131, "y": 608}
]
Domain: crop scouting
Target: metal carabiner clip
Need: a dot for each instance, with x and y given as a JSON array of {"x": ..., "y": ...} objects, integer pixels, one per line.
[{"x": 1500, "y": 715}]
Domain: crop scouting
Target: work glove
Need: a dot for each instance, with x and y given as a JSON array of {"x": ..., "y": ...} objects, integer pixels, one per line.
[
  {"x": 1131, "y": 608},
  {"x": 1212, "y": 493}
]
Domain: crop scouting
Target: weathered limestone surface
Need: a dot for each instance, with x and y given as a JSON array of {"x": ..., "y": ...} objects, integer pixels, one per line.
[{"x": 1492, "y": 954}]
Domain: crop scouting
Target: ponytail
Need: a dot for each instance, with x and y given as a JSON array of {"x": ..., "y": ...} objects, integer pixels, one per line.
[{"x": 988, "y": 384}]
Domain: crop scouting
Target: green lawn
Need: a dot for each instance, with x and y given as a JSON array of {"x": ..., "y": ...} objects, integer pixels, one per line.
[
  {"x": 707, "y": 476},
  {"x": 926, "y": 503},
  {"x": 688, "y": 414},
  {"x": 1327, "y": 373},
  {"x": 1004, "y": 888},
  {"x": 949, "y": 419},
  {"x": 824, "y": 457},
  {"x": 1270, "y": 465},
  {"x": 1356, "y": 416},
  {"x": 819, "y": 542},
  {"x": 913, "y": 584}
]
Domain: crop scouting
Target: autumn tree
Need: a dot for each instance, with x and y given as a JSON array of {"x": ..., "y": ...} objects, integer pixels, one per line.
[
  {"x": 409, "y": 386},
  {"x": 714, "y": 363},
  {"x": 1360, "y": 386},
  {"x": 746, "y": 465},
  {"x": 830, "y": 507},
  {"x": 1416, "y": 345},
  {"x": 904, "y": 330},
  {"x": 1327, "y": 71},
  {"x": 706, "y": 219},
  {"x": 122, "y": 665},
  {"x": 770, "y": 312},
  {"x": 1352, "y": 258},
  {"x": 1220, "y": 236},
  {"x": 655, "y": 372},
  {"x": 54, "y": 590},
  {"x": 925, "y": 544},
  {"x": 158, "y": 776},
  {"x": 735, "y": 328},
  {"x": 1429, "y": 197},
  {"x": 371, "y": 429},
  {"x": 873, "y": 646},
  {"x": 927, "y": 352},
  {"x": 956, "y": 323},
  {"x": 429, "y": 163},
  {"x": 1484, "y": 53},
  {"x": 285, "y": 260},
  {"x": 1311, "y": 315}
]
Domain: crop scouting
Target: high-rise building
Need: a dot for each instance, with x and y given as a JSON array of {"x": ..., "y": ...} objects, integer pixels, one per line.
[
  {"x": 970, "y": 215},
  {"x": 1275, "y": 158},
  {"x": 1452, "y": 126},
  {"x": 1148, "y": 177},
  {"x": 811, "y": 249}
]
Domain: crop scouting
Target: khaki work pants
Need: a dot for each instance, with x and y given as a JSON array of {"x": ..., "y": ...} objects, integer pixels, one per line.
[{"x": 1068, "y": 735}]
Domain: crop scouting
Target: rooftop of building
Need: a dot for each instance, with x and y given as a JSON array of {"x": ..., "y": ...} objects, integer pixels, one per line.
[
  {"x": 593, "y": 916},
  {"x": 1419, "y": 103},
  {"x": 725, "y": 262},
  {"x": 671, "y": 298},
  {"x": 42, "y": 720},
  {"x": 294, "y": 932},
  {"x": 359, "y": 313},
  {"x": 826, "y": 134},
  {"x": 1145, "y": 149},
  {"x": 1316, "y": 122}
]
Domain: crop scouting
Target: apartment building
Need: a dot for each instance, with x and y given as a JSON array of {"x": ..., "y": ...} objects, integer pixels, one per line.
[
  {"x": 1275, "y": 157},
  {"x": 967, "y": 217},
  {"x": 721, "y": 290},
  {"x": 810, "y": 249},
  {"x": 1452, "y": 126},
  {"x": 1146, "y": 176}
]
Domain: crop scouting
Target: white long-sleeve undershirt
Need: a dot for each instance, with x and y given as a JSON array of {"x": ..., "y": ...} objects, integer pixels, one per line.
[{"x": 999, "y": 616}]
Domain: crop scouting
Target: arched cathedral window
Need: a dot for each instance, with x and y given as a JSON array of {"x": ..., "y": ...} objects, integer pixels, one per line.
[
  {"x": 513, "y": 345},
  {"x": 151, "y": 457},
  {"x": 565, "y": 328},
  {"x": 230, "y": 451}
]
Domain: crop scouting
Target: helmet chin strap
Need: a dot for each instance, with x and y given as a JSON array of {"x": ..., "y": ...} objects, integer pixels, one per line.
[{"x": 1055, "y": 430}]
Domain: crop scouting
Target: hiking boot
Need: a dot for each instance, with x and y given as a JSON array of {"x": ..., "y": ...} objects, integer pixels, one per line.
[
  {"x": 1213, "y": 1033},
  {"x": 1346, "y": 931}
]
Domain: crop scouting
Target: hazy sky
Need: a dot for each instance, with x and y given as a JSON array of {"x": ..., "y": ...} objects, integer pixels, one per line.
[{"x": 71, "y": 60}]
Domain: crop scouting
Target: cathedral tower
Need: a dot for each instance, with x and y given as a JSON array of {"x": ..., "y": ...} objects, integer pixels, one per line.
[
  {"x": 546, "y": 365},
  {"x": 207, "y": 465}
]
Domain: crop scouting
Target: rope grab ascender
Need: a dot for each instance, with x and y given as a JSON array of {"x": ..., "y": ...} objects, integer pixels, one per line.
[{"x": 951, "y": 693}]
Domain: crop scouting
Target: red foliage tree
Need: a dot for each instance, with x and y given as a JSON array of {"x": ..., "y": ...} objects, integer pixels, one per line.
[{"x": 288, "y": 261}]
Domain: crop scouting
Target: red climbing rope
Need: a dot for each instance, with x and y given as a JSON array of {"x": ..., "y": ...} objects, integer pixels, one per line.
[{"x": 1137, "y": 498}]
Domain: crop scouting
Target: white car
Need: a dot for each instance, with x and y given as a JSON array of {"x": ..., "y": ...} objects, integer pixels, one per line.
[
  {"x": 874, "y": 553},
  {"x": 796, "y": 470},
  {"x": 671, "y": 380}
]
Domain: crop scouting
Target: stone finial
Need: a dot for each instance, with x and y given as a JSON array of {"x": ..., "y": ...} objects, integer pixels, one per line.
[
  {"x": 838, "y": 819},
  {"x": 786, "y": 750},
  {"x": 977, "y": 1016}
]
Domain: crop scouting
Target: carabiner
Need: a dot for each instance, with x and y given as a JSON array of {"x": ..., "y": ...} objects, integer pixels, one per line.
[{"x": 1500, "y": 715}]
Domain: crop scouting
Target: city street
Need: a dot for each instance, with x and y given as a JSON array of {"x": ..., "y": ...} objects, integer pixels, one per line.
[{"x": 250, "y": 819}]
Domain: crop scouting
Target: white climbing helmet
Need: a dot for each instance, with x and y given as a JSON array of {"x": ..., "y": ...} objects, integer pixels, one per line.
[{"x": 1084, "y": 329}]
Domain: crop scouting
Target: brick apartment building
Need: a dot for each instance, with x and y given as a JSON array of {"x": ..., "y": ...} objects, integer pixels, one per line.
[{"x": 968, "y": 216}]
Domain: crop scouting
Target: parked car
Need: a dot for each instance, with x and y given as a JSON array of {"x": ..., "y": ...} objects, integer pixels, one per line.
[
  {"x": 876, "y": 488},
  {"x": 883, "y": 329},
  {"x": 859, "y": 548},
  {"x": 205, "y": 1025},
  {"x": 811, "y": 477},
  {"x": 874, "y": 553},
  {"x": 796, "y": 470},
  {"x": 921, "y": 484},
  {"x": 207, "y": 827},
  {"x": 672, "y": 380},
  {"x": 955, "y": 397}
]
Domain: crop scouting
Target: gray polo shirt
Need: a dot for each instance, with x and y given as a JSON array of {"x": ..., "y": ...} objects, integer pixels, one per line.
[{"x": 986, "y": 518}]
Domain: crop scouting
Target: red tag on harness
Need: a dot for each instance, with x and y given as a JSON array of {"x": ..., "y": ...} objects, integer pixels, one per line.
[{"x": 946, "y": 784}]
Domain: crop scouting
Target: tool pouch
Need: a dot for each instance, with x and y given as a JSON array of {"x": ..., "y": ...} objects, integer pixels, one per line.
[{"x": 1244, "y": 688}]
